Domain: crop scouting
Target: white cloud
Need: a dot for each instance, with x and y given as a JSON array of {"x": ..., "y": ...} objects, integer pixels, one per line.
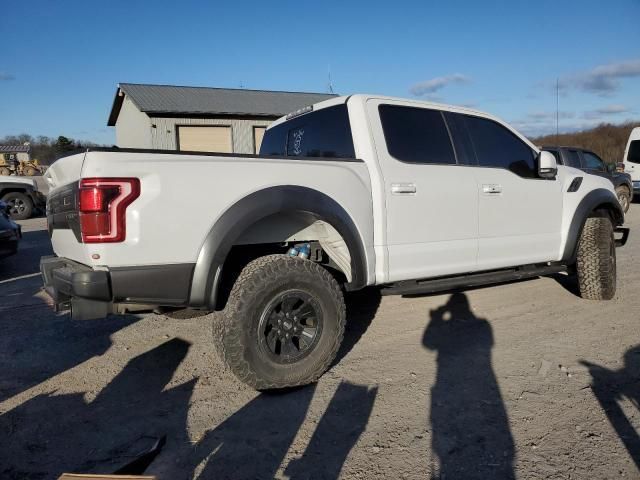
[
  {"x": 545, "y": 116},
  {"x": 429, "y": 87},
  {"x": 606, "y": 111},
  {"x": 603, "y": 80}
]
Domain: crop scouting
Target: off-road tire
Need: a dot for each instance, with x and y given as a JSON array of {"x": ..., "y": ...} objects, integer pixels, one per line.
[
  {"x": 624, "y": 197},
  {"x": 236, "y": 332},
  {"x": 596, "y": 260},
  {"x": 24, "y": 208}
]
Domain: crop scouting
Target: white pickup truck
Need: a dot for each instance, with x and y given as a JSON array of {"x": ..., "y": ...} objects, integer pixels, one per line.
[{"x": 354, "y": 191}]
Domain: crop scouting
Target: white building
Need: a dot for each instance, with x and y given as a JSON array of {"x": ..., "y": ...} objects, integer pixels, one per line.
[{"x": 199, "y": 118}]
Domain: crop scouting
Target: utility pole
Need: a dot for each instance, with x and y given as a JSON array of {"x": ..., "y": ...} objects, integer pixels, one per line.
[{"x": 557, "y": 108}]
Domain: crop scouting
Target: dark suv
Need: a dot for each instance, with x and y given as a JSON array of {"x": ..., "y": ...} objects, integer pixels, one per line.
[{"x": 589, "y": 162}]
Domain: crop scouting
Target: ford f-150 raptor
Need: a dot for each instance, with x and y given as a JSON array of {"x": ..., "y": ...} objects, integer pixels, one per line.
[{"x": 354, "y": 191}]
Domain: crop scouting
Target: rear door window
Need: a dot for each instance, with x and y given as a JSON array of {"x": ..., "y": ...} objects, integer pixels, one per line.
[
  {"x": 496, "y": 146},
  {"x": 321, "y": 133},
  {"x": 634, "y": 152},
  {"x": 416, "y": 135}
]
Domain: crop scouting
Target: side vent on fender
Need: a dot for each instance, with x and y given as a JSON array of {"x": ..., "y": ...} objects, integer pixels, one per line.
[{"x": 575, "y": 184}]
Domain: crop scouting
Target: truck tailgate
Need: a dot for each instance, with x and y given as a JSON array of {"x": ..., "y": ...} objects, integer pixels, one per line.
[{"x": 62, "y": 208}]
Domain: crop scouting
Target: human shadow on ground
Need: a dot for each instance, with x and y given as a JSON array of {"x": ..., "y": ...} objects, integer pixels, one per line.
[
  {"x": 470, "y": 429},
  {"x": 612, "y": 386},
  {"x": 50, "y": 433},
  {"x": 254, "y": 441}
]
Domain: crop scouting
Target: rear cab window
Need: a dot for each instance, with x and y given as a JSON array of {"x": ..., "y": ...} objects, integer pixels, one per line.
[{"x": 319, "y": 133}]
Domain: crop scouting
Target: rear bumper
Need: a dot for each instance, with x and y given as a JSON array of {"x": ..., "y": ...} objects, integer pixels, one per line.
[
  {"x": 90, "y": 293},
  {"x": 71, "y": 279},
  {"x": 76, "y": 287}
]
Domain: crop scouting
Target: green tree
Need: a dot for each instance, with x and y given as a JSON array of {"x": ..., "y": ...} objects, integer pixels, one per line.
[{"x": 63, "y": 145}]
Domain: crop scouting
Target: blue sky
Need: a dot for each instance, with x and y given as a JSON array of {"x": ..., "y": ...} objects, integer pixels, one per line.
[{"x": 60, "y": 61}]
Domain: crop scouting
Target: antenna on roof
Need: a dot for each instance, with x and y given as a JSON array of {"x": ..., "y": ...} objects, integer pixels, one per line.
[{"x": 329, "y": 84}]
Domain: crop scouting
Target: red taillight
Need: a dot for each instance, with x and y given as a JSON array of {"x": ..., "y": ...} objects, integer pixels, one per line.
[{"x": 102, "y": 205}]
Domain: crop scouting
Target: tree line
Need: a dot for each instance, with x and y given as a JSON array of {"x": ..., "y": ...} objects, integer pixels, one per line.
[
  {"x": 606, "y": 140},
  {"x": 46, "y": 149}
]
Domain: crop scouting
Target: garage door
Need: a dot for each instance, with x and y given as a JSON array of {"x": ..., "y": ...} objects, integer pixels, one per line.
[
  {"x": 258, "y": 134},
  {"x": 205, "y": 139}
]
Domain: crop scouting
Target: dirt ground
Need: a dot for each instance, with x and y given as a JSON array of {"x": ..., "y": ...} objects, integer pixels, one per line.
[{"x": 520, "y": 380}]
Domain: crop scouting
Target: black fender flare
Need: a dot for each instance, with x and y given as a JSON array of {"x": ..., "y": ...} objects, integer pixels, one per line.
[
  {"x": 256, "y": 206},
  {"x": 596, "y": 199}
]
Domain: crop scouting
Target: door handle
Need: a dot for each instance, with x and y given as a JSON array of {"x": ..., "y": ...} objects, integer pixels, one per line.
[
  {"x": 491, "y": 189},
  {"x": 403, "y": 188}
]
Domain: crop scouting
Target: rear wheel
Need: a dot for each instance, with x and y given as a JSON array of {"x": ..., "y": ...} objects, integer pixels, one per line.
[
  {"x": 20, "y": 205},
  {"x": 283, "y": 323},
  {"x": 596, "y": 261},
  {"x": 624, "y": 197}
]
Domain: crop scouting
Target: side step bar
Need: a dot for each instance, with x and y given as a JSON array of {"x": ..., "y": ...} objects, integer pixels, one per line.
[{"x": 433, "y": 285}]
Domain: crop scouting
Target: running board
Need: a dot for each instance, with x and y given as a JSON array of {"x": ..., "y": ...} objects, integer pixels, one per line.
[{"x": 433, "y": 285}]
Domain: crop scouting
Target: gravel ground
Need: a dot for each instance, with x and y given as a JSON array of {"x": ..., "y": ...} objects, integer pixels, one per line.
[{"x": 520, "y": 380}]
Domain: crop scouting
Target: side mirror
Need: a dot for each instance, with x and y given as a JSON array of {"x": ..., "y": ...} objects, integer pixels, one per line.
[{"x": 547, "y": 165}]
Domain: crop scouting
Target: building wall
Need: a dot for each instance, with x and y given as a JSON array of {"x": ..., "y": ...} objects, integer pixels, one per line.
[
  {"x": 163, "y": 136},
  {"x": 133, "y": 128}
]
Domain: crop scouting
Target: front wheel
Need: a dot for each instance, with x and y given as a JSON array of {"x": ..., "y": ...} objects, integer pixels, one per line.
[
  {"x": 624, "y": 197},
  {"x": 283, "y": 323},
  {"x": 596, "y": 261}
]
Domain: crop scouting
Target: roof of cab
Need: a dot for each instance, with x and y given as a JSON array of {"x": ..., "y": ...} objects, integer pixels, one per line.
[{"x": 365, "y": 97}]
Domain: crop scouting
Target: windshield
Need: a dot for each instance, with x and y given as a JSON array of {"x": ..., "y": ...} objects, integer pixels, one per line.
[
  {"x": 634, "y": 152},
  {"x": 322, "y": 133}
]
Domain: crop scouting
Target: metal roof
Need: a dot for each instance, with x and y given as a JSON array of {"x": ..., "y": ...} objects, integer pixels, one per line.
[
  {"x": 15, "y": 148},
  {"x": 208, "y": 101}
]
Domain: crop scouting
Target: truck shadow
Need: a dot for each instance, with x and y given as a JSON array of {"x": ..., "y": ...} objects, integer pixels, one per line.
[
  {"x": 37, "y": 344},
  {"x": 471, "y": 436},
  {"x": 253, "y": 442},
  {"x": 51, "y": 433},
  {"x": 611, "y": 387},
  {"x": 362, "y": 307}
]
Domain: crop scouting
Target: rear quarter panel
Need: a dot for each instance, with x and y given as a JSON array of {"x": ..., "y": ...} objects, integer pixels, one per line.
[{"x": 182, "y": 196}]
